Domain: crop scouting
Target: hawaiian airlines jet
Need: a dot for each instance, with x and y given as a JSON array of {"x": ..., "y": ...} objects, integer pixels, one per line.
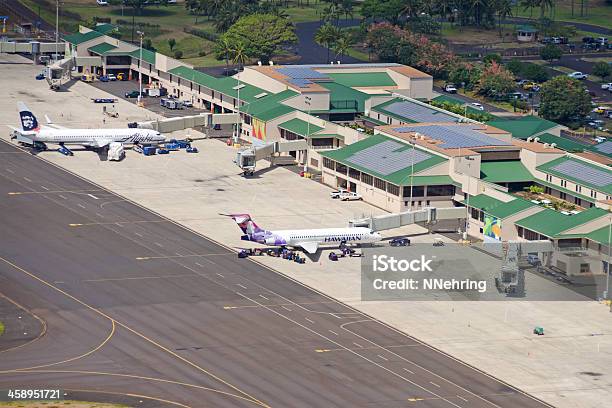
[
  {"x": 31, "y": 133},
  {"x": 308, "y": 239}
]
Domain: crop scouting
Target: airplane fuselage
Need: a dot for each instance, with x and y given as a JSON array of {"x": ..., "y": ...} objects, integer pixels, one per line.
[
  {"x": 93, "y": 137},
  {"x": 321, "y": 236}
]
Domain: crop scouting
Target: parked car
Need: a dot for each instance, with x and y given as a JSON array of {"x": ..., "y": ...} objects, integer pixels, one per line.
[
  {"x": 102, "y": 2},
  {"x": 588, "y": 40},
  {"x": 607, "y": 86},
  {"x": 476, "y": 105},
  {"x": 600, "y": 109},
  {"x": 133, "y": 94},
  {"x": 111, "y": 77},
  {"x": 531, "y": 86},
  {"x": 450, "y": 88},
  {"x": 603, "y": 41},
  {"x": 522, "y": 82},
  {"x": 122, "y": 76},
  {"x": 40, "y": 76},
  {"x": 103, "y": 78},
  {"x": 350, "y": 196},
  {"x": 578, "y": 75},
  {"x": 337, "y": 193},
  {"x": 399, "y": 242},
  {"x": 188, "y": 104}
]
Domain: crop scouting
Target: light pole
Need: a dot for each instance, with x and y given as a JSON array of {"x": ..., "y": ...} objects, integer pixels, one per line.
[
  {"x": 467, "y": 206},
  {"x": 237, "y": 127},
  {"x": 412, "y": 143},
  {"x": 307, "y": 101},
  {"x": 141, "y": 34},
  {"x": 56, "y": 29},
  {"x": 607, "y": 296}
]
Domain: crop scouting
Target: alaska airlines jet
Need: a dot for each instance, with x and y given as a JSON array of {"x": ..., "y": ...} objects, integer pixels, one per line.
[
  {"x": 31, "y": 133},
  {"x": 308, "y": 239}
]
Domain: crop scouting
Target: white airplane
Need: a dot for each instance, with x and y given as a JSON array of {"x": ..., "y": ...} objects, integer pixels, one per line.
[
  {"x": 32, "y": 134},
  {"x": 308, "y": 239}
]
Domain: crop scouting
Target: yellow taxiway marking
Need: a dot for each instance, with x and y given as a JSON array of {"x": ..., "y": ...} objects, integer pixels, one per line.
[
  {"x": 85, "y": 224},
  {"x": 416, "y": 399},
  {"x": 142, "y": 336},
  {"x": 42, "y": 322},
  {"x": 146, "y": 258}
]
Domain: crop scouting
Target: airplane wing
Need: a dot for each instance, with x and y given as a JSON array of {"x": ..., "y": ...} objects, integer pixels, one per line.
[
  {"x": 100, "y": 143},
  {"x": 53, "y": 125},
  {"x": 310, "y": 247}
]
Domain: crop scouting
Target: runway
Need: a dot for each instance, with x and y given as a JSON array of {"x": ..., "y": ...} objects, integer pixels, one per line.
[{"x": 137, "y": 305}]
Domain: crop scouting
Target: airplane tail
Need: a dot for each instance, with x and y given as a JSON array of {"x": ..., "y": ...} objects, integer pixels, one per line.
[
  {"x": 29, "y": 123},
  {"x": 246, "y": 224}
]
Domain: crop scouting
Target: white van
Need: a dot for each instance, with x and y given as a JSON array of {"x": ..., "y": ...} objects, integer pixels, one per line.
[{"x": 102, "y": 2}]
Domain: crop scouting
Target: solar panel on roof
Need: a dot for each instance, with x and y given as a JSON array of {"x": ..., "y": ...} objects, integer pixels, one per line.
[
  {"x": 454, "y": 137},
  {"x": 584, "y": 173},
  {"x": 301, "y": 73},
  {"x": 387, "y": 157},
  {"x": 418, "y": 113},
  {"x": 605, "y": 147}
]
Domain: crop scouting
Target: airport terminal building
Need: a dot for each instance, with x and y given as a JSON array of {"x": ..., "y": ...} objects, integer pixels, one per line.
[{"x": 370, "y": 129}]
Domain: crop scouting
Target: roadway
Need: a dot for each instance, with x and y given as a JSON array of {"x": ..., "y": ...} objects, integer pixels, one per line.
[{"x": 136, "y": 305}]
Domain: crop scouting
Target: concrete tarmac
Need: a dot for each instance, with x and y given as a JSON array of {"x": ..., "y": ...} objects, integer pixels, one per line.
[{"x": 137, "y": 305}]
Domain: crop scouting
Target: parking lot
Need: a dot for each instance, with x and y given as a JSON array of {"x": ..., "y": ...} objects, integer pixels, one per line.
[{"x": 194, "y": 189}]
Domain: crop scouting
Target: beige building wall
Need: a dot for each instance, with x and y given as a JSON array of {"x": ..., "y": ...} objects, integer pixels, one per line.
[{"x": 258, "y": 79}]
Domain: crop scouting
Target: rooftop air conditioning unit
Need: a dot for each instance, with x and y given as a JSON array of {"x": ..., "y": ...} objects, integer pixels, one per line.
[
  {"x": 553, "y": 145},
  {"x": 537, "y": 139},
  {"x": 529, "y": 139}
]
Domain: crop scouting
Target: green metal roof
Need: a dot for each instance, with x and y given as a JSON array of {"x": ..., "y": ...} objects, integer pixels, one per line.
[
  {"x": 79, "y": 38},
  {"x": 147, "y": 55},
  {"x": 269, "y": 107},
  {"x": 105, "y": 28},
  {"x": 339, "y": 92},
  {"x": 523, "y": 127},
  {"x": 400, "y": 177},
  {"x": 562, "y": 143},
  {"x": 527, "y": 29},
  {"x": 552, "y": 223},
  {"x": 498, "y": 208},
  {"x": 363, "y": 79},
  {"x": 601, "y": 235},
  {"x": 101, "y": 49},
  {"x": 506, "y": 171},
  {"x": 300, "y": 127},
  {"x": 227, "y": 86},
  {"x": 547, "y": 168}
]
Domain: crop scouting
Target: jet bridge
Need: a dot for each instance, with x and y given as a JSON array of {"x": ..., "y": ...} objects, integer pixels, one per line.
[
  {"x": 425, "y": 216},
  {"x": 205, "y": 120},
  {"x": 247, "y": 158}
]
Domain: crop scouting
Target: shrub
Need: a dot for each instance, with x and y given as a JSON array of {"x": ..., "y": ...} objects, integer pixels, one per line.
[{"x": 178, "y": 54}]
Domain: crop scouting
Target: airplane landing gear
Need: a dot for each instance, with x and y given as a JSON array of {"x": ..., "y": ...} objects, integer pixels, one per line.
[{"x": 64, "y": 150}]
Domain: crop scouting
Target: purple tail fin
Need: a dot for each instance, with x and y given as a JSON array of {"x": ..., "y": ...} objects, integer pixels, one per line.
[{"x": 245, "y": 223}]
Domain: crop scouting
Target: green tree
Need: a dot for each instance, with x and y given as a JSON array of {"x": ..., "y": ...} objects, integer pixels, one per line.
[
  {"x": 465, "y": 74},
  {"x": 261, "y": 34},
  {"x": 326, "y": 36},
  {"x": 178, "y": 54},
  {"x": 389, "y": 10},
  {"x": 516, "y": 66},
  {"x": 495, "y": 80},
  {"x": 602, "y": 69},
  {"x": 223, "y": 50},
  {"x": 489, "y": 58},
  {"x": 343, "y": 45},
  {"x": 239, "y": 55},
  {"x": 535, "y": 72},
  {"x": 503, "y": 9},
  {"x": 550, "y": 53},
  {"x": 171, "y": 43},
  {"x": 564, "y": 100}
]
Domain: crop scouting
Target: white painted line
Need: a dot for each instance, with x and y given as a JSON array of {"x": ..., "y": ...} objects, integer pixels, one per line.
[
  {"x": 44, "y": 188},
  {"x": 331, "y": 331},
  {"x": 62, "y": 196},
  {"x": 220, "y": 275},
  {"x": 27, "y": 179},
  {"x": 358, "y": 345},
  {"x": 309, "y": 320},
  {"x": 99, "y": 215},
  {"x": 159, "y": 245},
  {"x": 178, "y": 254},
  {"x": 286, "y": 308},
  {"x": 382, "y": 357},
  {"x": 10, "y": 171},
  {"x": 93, "y": 196},
  {"x": 199, "y": 264},
  {"x": 136, "y": 233},
  {"x": 81, "y": 205},
  {"x": 461, "y": 398},
  {"x": 119, "y": 224},
  {"x": 262, "y": 296},
  {"x": 58, "y": 282},
  {"x": 433, "y": 383},
  {"x": 242, "y": 286},
  {"x": 411, "y": 372}
]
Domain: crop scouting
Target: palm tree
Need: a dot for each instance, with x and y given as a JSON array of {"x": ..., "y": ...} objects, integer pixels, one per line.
[
  {"x": 545, "y": 4},
  {"x": 325, "y": 36},
  {"x": 239, "y": 55},
  {"x": 343, "y": 45},
  {"x": 529, "y": 4},
  {"x": 224, "y": 48},
  {"x": 346, "y": 8},
  {"x": 503, "y": 9}
]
